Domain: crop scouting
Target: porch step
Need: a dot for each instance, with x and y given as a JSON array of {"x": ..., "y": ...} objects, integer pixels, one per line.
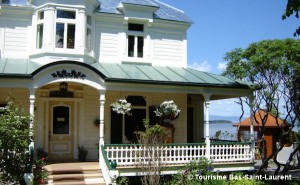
[{"x": 87, "y": 173}]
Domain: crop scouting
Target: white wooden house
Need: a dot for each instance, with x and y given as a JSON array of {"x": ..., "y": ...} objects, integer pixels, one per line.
[{"x": 67, "y": 61}]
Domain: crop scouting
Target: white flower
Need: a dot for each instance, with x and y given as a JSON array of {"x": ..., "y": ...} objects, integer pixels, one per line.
[
  {"x": 167, "y": 108},
  {"x": 121, "y": 107}
]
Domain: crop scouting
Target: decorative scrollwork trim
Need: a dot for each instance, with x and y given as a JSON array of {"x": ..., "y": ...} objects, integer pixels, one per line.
[{"x": 65, "y": 74}]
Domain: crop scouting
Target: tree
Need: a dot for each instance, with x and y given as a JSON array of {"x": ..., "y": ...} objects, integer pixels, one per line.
[
  {"x": 14, "y": 142},
  {"x": 273, "y": 66},
  {"x": 292, "y": 6},
  {"x": 151, "y": 141}
]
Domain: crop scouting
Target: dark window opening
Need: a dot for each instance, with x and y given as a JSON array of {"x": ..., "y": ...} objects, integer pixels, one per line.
[
  {"x": 140, "y": 47},
  {"x": 134, "y": 124},
  {"x": 66, "y": 14},
  {"x": 136, "y": 100},
  {"x": 61, "y": 94},
  {"x": 61, "y": 120},
  {"x": 135, "y": 27},
  {"x": 71, "y": 36},
  {"x": 130, "y": 46},
  {"x": 40, "y": 30}
]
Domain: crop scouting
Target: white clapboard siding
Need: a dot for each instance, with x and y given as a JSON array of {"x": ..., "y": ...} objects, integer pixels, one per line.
[
  {"x": 108, "y": 43},
  {"x": 168, "y": 49},
  {"x": 15, "y": 37}
]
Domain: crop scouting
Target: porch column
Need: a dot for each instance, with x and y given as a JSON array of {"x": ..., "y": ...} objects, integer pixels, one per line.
[
  {"x": 207, "y": 140},
  {"x": 252, "y": 140},
  {"x": 31, "y": 112},
  {"x": 101, "y": 126}
]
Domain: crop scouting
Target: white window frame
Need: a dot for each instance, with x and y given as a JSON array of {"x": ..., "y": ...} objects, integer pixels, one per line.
[
  {"x": 66, "y": 22},
  {"x": 135, "y": 34},
  {"x": 88, "y": 45},
  {"x": 39, "y": 22}
]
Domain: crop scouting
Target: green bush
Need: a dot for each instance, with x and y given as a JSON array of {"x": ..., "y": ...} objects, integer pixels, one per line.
[
  {"x": 193, "y": 173},
  {"x": 14, "y": 142}
]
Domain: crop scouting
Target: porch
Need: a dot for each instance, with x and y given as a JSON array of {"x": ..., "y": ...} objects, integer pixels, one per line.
[{"x": 224, "y": 157}]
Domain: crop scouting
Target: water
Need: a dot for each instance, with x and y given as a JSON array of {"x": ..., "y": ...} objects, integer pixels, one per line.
[{"x": 228, "y": 130}]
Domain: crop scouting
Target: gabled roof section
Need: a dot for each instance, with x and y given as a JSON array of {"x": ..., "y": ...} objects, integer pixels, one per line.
[{"x": 165, "y": 12}]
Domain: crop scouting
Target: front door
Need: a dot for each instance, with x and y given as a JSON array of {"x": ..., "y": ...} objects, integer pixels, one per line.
[{"x": 61, "y": 131}]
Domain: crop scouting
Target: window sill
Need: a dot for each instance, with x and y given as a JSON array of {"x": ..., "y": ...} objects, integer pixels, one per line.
[{"x": 133, "y": 60}]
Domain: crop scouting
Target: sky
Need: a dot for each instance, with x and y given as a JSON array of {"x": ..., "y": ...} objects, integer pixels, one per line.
[{"x": 223, "y": 25}]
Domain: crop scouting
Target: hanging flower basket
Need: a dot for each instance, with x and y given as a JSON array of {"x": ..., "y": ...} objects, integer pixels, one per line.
[
  {"x": 167, "y": 110},
  {"x": 121, "y": 106}
]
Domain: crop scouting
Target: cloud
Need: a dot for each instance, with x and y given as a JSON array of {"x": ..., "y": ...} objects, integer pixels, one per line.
[
  {"x": 222, "y": 67},
  {"x": 204, "y": 66}
]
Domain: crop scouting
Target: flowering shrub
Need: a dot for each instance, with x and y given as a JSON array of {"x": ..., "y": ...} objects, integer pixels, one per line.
[
  {"x": 168, "y": 109},
  {"x": 121, "y": 107}
]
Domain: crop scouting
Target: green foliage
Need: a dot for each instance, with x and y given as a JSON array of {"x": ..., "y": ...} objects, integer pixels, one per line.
[
  {"x": 14, "y": 142},
  {"x": 274, "y": 67},
  {"x": 292, "y": 6},
  {"x": 122, "y": 181},
  {"x": 192, "y": 171}
]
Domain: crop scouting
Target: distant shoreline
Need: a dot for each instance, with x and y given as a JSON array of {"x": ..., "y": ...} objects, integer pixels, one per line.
[{"x": 220, "y": 121}]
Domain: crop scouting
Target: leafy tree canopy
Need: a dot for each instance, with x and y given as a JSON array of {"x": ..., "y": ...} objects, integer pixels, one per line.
[
  {"x": 292, "y": 6},
  {"x": 14, "y": 142},
  {"x": 274, "y": 67}
]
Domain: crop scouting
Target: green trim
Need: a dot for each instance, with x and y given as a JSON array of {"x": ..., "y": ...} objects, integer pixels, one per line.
[{"x": 105, "y": 157}]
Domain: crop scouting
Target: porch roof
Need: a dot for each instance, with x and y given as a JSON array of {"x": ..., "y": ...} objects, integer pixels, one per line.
[{"x": 132, "y": 73}]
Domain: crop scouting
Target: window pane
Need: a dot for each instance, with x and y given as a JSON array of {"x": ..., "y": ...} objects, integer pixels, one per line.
[
  {"x": 135, "y": 27},
  {"x": 130, "y": 46},
  {"x": 71, "y": 36},
  {"x": 140, "y": 47},
  {"x": 39, "y": 38},
  {"x": 89, "y": 20},
  {"x": 60, "y": 29},
  {"x": 61, "y": 120},
  {"x": 41, "y": 15},
  {"x": 66, "y": 14},
  {"x": 88, "y": 39}
]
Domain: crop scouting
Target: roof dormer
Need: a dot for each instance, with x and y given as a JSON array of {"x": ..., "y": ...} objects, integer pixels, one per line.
[{"x": 138, "y": 10}]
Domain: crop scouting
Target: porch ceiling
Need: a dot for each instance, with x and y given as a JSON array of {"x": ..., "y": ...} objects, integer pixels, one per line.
[{"x": 128, "y": 73}]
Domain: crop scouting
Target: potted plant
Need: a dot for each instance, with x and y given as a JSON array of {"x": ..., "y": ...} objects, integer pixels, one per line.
[
  {"x": 97, "y": 122},
  {"x": 39, "y": 164},
  {"x": 82, "y": 153},
  {"x": 121, "y": 106},
  {"x": 41, "y": 177}
]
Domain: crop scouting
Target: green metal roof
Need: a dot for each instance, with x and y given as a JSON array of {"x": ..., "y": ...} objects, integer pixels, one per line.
[
  {"x": 134, "y": 73},
  {"x": 163, "y": 75}
]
